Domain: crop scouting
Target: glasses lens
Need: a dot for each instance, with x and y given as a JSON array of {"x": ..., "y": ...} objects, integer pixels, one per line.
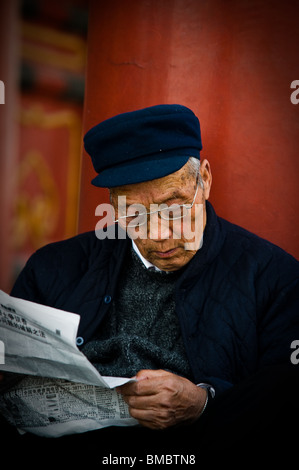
[
  {"x": 173, "y": 212},
  {"x": 136, "y": 216},
  {"x": 138, "y": 221}
]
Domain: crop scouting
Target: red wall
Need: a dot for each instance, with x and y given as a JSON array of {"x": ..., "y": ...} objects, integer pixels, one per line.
[
  {"x": 42, "y": 57},
  {"x": 232, "y": 62}
]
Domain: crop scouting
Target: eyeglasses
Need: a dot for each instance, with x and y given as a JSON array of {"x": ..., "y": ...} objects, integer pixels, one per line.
[{"x": 173, "y": 212}]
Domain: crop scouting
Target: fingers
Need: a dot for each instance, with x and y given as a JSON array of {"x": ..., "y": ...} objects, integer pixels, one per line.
[
  {"x": 159, "y": 399},
  {"x": 148, "y": 398},
  {"x": 153, "y": 411},
  {"x": 154, "y": 419},
  {"x": 146, "y": 383}
]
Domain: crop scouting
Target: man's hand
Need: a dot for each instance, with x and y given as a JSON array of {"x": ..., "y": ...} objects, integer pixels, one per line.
[{"x": 160, "y": 399}]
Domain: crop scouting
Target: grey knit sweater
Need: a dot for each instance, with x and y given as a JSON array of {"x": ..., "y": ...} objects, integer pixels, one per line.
[{"x": 141, "y": 330}]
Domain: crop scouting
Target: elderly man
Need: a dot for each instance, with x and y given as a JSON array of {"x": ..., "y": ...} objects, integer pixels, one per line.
[{"x": 202, "y": 312}]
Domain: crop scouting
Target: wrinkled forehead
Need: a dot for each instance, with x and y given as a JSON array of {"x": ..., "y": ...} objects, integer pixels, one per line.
[
  {"x": 175, "y": 186},
  {"x": 172, "y": 188}
]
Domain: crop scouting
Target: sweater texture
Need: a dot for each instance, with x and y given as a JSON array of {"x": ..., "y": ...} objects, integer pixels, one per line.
[{"x": 141, "y": 330}]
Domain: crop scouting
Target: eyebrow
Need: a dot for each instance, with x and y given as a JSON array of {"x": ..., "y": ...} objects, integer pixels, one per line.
[{"x": 175, "y": 195}]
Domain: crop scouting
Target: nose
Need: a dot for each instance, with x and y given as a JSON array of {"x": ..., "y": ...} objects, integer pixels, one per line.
[{"x": 158, "y": 228}]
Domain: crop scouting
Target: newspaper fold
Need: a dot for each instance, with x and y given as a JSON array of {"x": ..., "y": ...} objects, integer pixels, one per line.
[{"x": 62, "y": 392}]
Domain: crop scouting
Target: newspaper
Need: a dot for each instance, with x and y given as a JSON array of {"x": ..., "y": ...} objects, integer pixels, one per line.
[{"x": 60, "y": 391}]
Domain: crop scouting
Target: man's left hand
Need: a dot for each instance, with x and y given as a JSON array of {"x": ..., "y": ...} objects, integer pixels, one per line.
[{"x": 160, "y": 399}]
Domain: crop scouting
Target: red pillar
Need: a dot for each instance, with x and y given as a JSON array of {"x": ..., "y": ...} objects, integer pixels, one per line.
[
  {"x": 8, "y": 132},
  {"x": 233, "y": 64}
]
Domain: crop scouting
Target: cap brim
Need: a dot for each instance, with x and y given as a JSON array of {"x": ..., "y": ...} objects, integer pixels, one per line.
[{"x": 139, "y": 171}]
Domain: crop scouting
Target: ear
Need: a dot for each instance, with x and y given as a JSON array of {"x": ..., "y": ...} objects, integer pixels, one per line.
[{"x": 206, "y": 175}]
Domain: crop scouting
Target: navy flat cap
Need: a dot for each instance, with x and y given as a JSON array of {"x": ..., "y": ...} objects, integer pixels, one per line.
[{"x": 143, "y": 145}]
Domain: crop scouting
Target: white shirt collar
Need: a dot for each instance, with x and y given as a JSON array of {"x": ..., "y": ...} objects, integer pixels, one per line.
[{"x": 146, "y": 263}]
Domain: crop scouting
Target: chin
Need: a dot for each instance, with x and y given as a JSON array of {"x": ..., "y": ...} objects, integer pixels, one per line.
[{"x": 169, "y": 265}]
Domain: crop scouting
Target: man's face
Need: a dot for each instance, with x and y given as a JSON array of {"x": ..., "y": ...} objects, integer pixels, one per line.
[{"x": 166, "y": 243}]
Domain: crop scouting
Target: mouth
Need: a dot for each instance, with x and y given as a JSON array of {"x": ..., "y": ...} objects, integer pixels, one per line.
[{"x": 166, "y": 254}]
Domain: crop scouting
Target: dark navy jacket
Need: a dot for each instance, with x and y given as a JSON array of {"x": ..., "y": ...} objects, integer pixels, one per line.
[{"x": 236, "y": 300}]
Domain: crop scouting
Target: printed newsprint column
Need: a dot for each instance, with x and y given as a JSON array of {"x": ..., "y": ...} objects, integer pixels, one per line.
[{"x": 59, "y": 391}]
